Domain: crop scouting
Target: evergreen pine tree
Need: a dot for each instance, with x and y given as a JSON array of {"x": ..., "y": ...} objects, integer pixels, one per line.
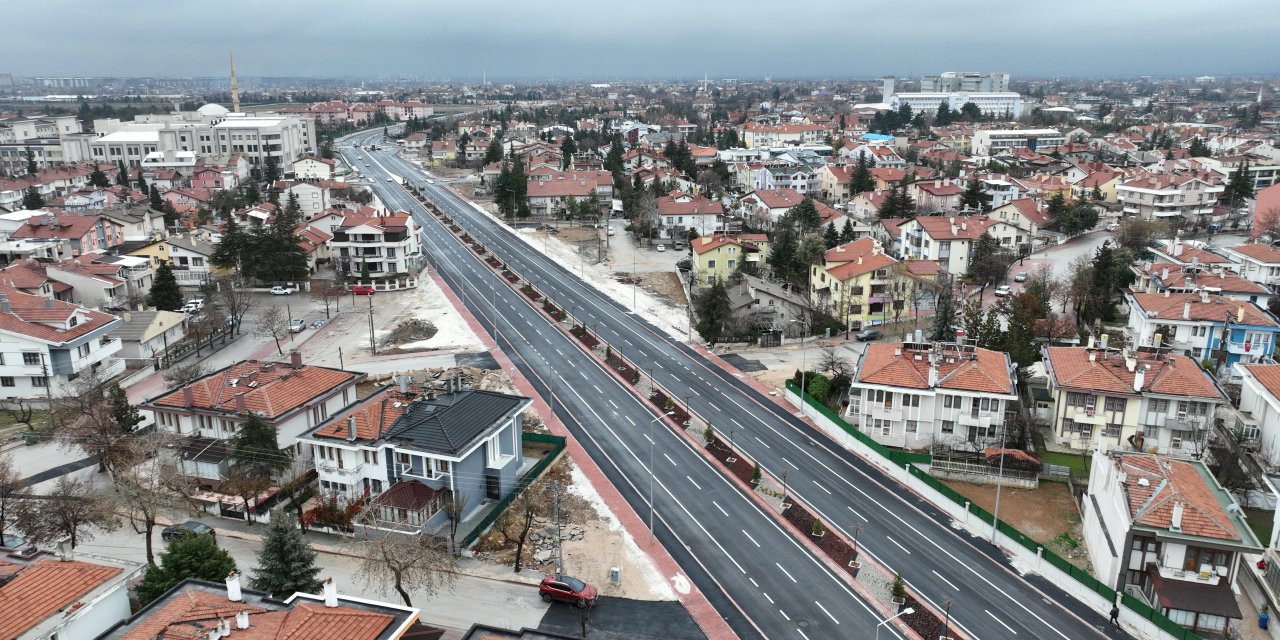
[
  {"x": 1199, "y": 149},
  {"x": 156, "y": 202},
  {"x": 286, "y": 563},
  {"x": 122, "y": 176},
  {"x": 1057, "y": 205},
  {"x": 862, "y": 181},
  {"x": 195, "y": 556},
  {"x": 971, "y": 199},
  {"x": 831, "y": 236},
  {"x": 99, "y": 179},
  {"x": 805, "y": 215},
  {"x": 784, "y": 253},
  {"x": 944, "y": 314},
  {"x": 846, "y": 234},
  {"x": 123, "y": 413},
  {"x": 714, "y": 310},
  {"x": 254, "y": 449},
  {"x": 31, "y": 199},
  {"x": 165, "y": 295},
  {"x": 31, "y": 162},
  {"x": 227, "y": 255},
  {"x": 142, "y": 183},
  {"x": 567, "y": 148}
]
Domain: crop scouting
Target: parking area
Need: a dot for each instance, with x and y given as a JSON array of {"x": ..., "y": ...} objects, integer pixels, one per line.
[{"x": 624, "y": 254}]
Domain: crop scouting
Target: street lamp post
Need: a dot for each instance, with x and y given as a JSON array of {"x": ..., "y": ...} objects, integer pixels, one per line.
[
  {"x": 804, "y": 360},
  {"x": 995, "y": 516},
  {"x": 904, "y": 612},
  {"x": 650, "y": 436}
]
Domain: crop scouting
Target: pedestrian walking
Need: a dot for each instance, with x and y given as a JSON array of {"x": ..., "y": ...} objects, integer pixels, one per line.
[{"x": 1115, "y": 614}]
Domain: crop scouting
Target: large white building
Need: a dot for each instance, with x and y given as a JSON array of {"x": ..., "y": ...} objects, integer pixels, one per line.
[
  {"x": 991, "y": 141},
  {"x": 381, "y": 251},
  {"x": 965, "y": 81},
  {"x": 47, "y": 343},
  {"x": 993, "y": 102},
  {"x": 211, "y": 132}
]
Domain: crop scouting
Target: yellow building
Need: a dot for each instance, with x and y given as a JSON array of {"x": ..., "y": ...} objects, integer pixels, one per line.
[
  {"x": 717, "y": 255},
  {"x": 187, "y": 254},
  {"x": 857, "y": 282}
]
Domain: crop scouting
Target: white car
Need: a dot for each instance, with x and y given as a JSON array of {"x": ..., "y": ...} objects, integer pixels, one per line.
[
  {"x": 193, "y": 306},
  {"x": 297, "y": 326},
  {"x": 281, "y": 291},
  {"x": 661, "y": 248},
  {"x": 1003, "y": 290},
  {"x": 1113, "y": 226}
]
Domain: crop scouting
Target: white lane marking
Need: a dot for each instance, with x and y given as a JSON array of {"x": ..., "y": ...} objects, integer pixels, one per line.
[
  {"x": 784, "y": 571},
  {"x": 633, "y": 422},
  {"x": 993, "y": 617},
  {"x": 824, "y": 610},
  {"x": 815, "y": 483},
  {"x": 695, "y": 484},
  {"x": 897, "y": 543},
  {"x": 735, "y": 421},
  {"x": 855, "y": 512},
  {"x": 793, "y": 465},
  {"x": 601, "y": 392},
  {"x": 766, "y": 595},
  {"x": 673, "y": 462},
  {"x": 946, "y": 581},
  {"x": 753, "y": 582},
  {"x": 753, "y": 540},
  {"x": 584, "y": 376},
  {"x": 784, "y": 614},
  {"x": 714, "y": 407},
  {"x": 615, "y": 405},
  {"x": 726, "y": 513},
  {"x": 802, "y": 634},
  {"x": 646, "y": 437},
  {"x": 762, "y": 442}
]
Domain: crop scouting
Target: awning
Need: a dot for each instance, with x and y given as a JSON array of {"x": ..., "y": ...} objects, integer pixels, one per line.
[{"x": 1197, "y": 597}]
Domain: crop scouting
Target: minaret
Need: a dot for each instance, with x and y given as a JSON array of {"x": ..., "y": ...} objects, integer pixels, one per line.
[{"x": 235, "y": 90}]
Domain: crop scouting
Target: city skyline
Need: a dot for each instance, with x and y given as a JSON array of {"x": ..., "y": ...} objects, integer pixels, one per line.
[{"x": 666, "y": 41}]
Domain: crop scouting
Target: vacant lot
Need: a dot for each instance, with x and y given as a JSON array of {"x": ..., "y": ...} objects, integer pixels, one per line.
[{"x": 1047, "y": 515}]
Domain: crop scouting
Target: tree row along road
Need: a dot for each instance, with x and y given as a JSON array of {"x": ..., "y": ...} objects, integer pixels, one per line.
[
  {"x": 989, "y": 599},
  {"x": 758, "y": 577}
]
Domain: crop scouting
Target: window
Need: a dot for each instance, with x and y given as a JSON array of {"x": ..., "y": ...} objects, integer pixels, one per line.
[
  {"x": 31, "y": 359},
  {"x": 442, "y": 466},
  {"x": 910, "y": 400},
  {"x": 1081, "y": 400},
  {"x": 951, "y": 402},
  {"x": 1159, "y": 406},
  {"x": 39, "y": 381},
  {"x": 6, "y": 381},
  {"x": 1115, "y": 404},
  {"x": 1111, "y": 431},
  {"x": 948, "y": 426},
  {"x": 885, "y": 427},
  {"x": 913, "y": 426}
]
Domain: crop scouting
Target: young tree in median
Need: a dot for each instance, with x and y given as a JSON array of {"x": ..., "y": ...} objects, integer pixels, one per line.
[
  {"x": 73, "y": 509},
  {"x": 165, "y": 294},
  {"x": 195, "y": 557},
  {"x": 713, "y": 309},
  {"x": 31, "y": 199},
  {"x": 286, "y": 562}
]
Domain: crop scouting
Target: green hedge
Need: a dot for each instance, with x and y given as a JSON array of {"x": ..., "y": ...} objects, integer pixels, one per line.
[{"x": 909, "y": 460}]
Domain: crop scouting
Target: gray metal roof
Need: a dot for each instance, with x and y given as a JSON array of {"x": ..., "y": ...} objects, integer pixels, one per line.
[
  {"x": 134, "y": 326},
  {"x": 451, "y": 423}
]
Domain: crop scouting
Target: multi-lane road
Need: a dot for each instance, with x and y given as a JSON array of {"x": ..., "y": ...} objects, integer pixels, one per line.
[{"x": 758, "y": 577}]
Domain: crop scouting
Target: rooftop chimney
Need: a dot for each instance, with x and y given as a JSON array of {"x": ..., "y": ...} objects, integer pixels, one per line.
[
  {"x": 4, "y": 304},
  {"x": 330, "y": 593},
  {"x": 1186, "y": 311},
  {"x": 240, "y": 406},
  {"x": 1105, "y": 338},
  {"x": 214, "y": 633},
  {"x": 1175, "y": 520},
  {"x": 351, "y": 428},
  {"x": 1240, "y": 315},
  {"x": 188, "y": 396},
  {"x": 404, "y": 384},
  {"x": 224, "y": 627},
  {"x": 295, "y": 359},
  {"x": 233, "y": 587},
  {"x": 48, "y": 303},
  {"x": 1139, "y": 378},
  {"x": 242, "y": 620}
]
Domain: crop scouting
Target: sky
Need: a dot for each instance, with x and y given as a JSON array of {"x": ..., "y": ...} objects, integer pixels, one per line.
[{"x": 658, "y": 39}]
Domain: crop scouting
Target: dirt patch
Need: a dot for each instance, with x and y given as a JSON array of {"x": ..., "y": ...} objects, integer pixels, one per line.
[
  {"x": 665, "y": 285},
  {"x": 411, "y": 330},
  {"x": 1047, "y": 515}
]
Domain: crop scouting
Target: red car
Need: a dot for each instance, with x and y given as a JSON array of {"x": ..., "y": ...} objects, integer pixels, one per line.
[
  {"x": 362, "y": 289},
  {"x": 567, "y": 589}
]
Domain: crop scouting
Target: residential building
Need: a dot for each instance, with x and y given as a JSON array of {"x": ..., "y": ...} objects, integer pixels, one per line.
[
  {"x": 998, "y": 191},
  {"x": 917, "y": 394},
  {"x": 716, "y": 256},
  {"x": 1258, "y": 420},
  {"x": 949, "y": 241},
  {"x": 992, "y": 141},
  {"x": 764, "y": 304},
  {"x": 1194, "y": 324},
  {"x": 291, "y": 398},
  {"x": 187, "y": 254},
  {"x": 409, "y": 450},
  {"x": 766, "y": 206},
  {"x": 144, "y": 334},
  {"x": 678, "y": 213},
  {"x": 794, "y": 177},
  {"x": 937, "y": 195},
  {"x": 83, "y": 233},
  {"x": 383, "y": 247},
  {"x": 312, "y": 197},
  {"x": 1028, "y": 215},
  {"x": 1165, "y": 531},
  {"x": 1191, "y": 196},
  {"x": 136, "y": 224},
  {"x": 1158, "y": 277},
  {"x": 1191, "y": 255},
  {"x": 1142, "y": 399},
  {"x": 550, "y": 198},
  {"x": 49, "y": 343},
  {"x": 1256, "y": 262},
  {"x": 47, "y": 599},
  {"x": 198, "y": 609},
  {"x": 835, "y": 182},
  {"x": 755, "y": 135},
  {"x": 858, "y": 283},
  {"x": 313, "y": 169}
]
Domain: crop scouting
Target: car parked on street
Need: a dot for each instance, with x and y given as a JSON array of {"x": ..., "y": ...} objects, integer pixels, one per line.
[
  {"x": 661, "y": 248},
  {"x": 362, "y": 289},
  {"x": 281, "y": 291},
  {"x": 317, "y": 324},
  {"x": 867, "y": 335},
  {"x": 297, "y": 326},
  {"x": 188, "y": 528},
  {"x": 1003, "y": 290},
  {"x": 192, "y": 306},
  {"x": 562, "y": 588},
  {"x": 1021, "y": 276}
]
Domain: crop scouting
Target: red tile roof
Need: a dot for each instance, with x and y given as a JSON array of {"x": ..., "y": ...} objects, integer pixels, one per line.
[
  {"x": 45, "y": 319},
  {"x": 1183, "y": 253},
  {"x": 1169, "y": 306},
  {"x": 1170, "y": 482},
  {"x": 1268, "y": 375},
  {"x": 892, "y": 364},
  {"x": 192, "y": 613},
  {"x": 279, "y": 388},
  {"x": 408, "y": 494},
  {"x": 1166, "y": 374},
  {"x": 1225, "y": 280},
  {"x": 43, "y": 589},
  {"x": 1260, "y": 252},
  {"x": 716, "y": 240},
  {"x": 699, "y": 205},
  {"x": 778, "y": 198},
  {"x": 373, "y": 416},
  {"x": 397, "y": 222},
  {"x": 562, "y": 188},
  {"x": 66, "y": 225},
  {"x": 955, "y": 227}
]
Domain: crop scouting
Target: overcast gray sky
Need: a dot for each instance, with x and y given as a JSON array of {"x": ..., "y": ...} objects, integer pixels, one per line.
[{"x": 604, "y": 39}]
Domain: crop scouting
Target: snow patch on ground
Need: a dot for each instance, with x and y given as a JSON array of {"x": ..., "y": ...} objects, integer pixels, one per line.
[
  {"x": 681, "y": 583},
  {"x": 429, "y": 303},
  {"x": 637, "y": 560}
]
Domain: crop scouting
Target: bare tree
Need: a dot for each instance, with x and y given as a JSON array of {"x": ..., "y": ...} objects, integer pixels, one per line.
[
  {"x": 20, "y": 411},
  {"x": 152, "y": 486},
  {"x": 72, "y": 510},
  {"x": 454, "y": 506},
  {"x": 403, "y": 562},
  {"x": 247, "y": 486},
  {"x": 234, "y": 299},
  {"x": 326, "y": 292},
  {"x": 830, "y": 361},
  {"x": 1267, "y": 222},
  {"x": 87, "y": 419},
  {"x": 530, "y": 504},
  {"x": 273, "y": 324},
  {"x": 294, "y": 482},
  {"x": 1078, "y": 282},
  {"x": 182, "y": 374},
  {"x": 11, "y": 487},
  {"x": 1055, "y": 328}
]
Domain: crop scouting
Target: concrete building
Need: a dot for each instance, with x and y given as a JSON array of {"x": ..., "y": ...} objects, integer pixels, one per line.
[
  {"x": 49, "y": 343},
  {"x": 1258, "y": 418},
  {"x": 1194, "y": 324},
  {"x": 1191, "y": 196},
  {"x": 965, "y": 81},
  {"x": 986, "y": 142},
  {"x": 717, "y": 256},
  {"x": 211, "y": 132},
  {"x": 384, "y": 247}
]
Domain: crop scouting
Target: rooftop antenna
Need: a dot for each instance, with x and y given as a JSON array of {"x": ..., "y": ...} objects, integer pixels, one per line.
[{"x": 235, "y": 89}]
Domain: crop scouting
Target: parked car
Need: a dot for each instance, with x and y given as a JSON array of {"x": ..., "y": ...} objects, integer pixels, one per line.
[
  {"x": 297, "y": 326},
  {"x": 362, "y": 289},
  {"x": 1021, "y": 276},
  {"x": 612, "y": 232},
  {"x": 662, "y": 247},
  {"x": 867, "y": 335},
  {"x": 1113, "y": 226},
  {"x": 192, "y": 306},
  {"x": 317, "y": 324},
  {"x": 1003, "y": 290},
  {"x": 188, "y": 528},
  {"x": 563, "y": 588},
  {"x": 281, "y": 291}
]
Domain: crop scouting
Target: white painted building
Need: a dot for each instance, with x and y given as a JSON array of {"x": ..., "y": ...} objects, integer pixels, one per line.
[
  {"x": 45, "y": 344},
  {"x": 384, "y": 247},
  {"x": 986, "y": 142}
]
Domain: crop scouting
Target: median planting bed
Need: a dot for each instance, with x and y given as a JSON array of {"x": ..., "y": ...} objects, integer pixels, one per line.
[
  {"x": 580, "y": 332},
  {"x": 740, "y": 468}
]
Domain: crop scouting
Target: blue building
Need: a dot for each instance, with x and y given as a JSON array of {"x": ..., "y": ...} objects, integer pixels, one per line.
[{"x": 1201, "y": 324}]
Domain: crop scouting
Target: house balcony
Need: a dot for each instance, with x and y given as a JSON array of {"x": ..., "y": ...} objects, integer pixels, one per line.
[
  {"x": 1207, "y": 577},
  {"x": 982, "y": 420},
  {"x": 1087, "y": 415},
  {"x": 1247, "y": 348},
  {"x": 332, "y": 469}
]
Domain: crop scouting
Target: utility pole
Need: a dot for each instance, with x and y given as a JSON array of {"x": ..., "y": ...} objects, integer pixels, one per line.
[
  {"x": 373, "y": 345},
  {"x": 555, "y": 491},
  {"x": 340, "y": 365}
]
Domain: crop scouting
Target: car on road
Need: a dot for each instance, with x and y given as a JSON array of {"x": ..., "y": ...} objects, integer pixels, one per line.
[
  {"x": 1003, "y": 290},
  {"x": 317, "y": 324},
  {"x": 297, "y": 326},
  {"x": 192, "y": 306},
  {"x": 281, "y": 291},
  {"x": 662, "y": 247},
  {"x": 867, "y": 335},
  {"x": 431, "y": 181},
  {"x": 188, "y": 528},
  {"x": 562, "y": 588},
  {"x": 362, "y": 289},
  {"x": 1113, "y": 226},
  {"x": 612, "y": 231},
  {"x": 390, "y": 180},
  {"x": 1021, "y": 276}
]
